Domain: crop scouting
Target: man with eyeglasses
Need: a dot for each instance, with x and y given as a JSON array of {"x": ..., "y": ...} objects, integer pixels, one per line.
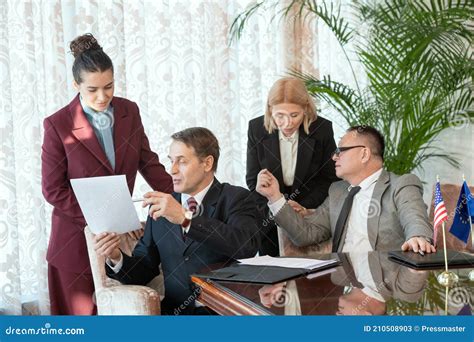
[{"x": 370, "y": 209}]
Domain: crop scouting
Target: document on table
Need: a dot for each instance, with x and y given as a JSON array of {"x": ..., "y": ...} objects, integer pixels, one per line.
[
  {"x": 320, "y": 274},
  {"x": 267, "y": 260},
  {"x": 106, "y": 204}
]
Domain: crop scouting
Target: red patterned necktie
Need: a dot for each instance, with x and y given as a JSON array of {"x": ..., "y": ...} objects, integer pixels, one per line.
[{"x": 192, "y": 206}]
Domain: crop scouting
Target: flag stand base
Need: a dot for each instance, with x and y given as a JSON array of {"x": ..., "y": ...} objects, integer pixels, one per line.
[{"x": 448, "y": 278}]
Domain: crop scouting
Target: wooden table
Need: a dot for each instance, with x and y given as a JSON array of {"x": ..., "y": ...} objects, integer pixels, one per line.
[{"x": 347, "y": 289}]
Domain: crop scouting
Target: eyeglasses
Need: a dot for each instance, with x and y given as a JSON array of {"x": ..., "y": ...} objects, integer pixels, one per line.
[
  {"x": 286, "y": 117},
  {"x": 339, "y": 150}
]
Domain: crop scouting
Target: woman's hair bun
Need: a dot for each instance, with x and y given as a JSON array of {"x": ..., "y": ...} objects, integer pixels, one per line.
[{"x": 84, "y": 43}]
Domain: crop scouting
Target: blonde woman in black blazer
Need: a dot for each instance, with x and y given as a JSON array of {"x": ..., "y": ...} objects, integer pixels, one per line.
[{"x": 296, "y": 146}]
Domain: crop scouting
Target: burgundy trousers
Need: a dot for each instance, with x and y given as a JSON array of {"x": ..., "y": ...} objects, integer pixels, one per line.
[{"x": 71, "y": 293}]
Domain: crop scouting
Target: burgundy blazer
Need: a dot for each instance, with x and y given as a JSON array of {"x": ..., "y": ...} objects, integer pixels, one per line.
[{"x": 71, "y": 150}]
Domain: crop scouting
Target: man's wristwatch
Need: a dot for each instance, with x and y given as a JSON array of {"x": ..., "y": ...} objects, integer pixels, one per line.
[{"x": 188, "y": 216}]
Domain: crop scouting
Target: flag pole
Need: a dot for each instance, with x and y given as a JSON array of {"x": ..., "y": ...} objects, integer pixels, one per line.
[
  {"x": 444, "y": 248},
  {"x": 444, "y": 239},
  {"x": 446, "y": 278},
  {"x": 446, "y": 301}
]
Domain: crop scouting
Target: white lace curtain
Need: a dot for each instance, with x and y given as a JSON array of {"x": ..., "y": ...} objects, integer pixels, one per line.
[{"x": 171, "y": 57}]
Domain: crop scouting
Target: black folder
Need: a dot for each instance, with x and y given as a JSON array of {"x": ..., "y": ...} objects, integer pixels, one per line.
[
  {"x": 260, "y": 274},
  {"x": 432, "y": 261}
]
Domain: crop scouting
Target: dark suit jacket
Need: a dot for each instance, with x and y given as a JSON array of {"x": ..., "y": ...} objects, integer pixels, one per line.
[
  {"x": 71, "y": 150},
  {"x": 315, "y": 169},
  {"x": 225, "y": 230}
]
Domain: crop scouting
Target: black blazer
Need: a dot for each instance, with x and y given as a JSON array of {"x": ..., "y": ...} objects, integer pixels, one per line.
[
  {"x": 224, "y": 230},
  {"x": 315, "y": 169}
]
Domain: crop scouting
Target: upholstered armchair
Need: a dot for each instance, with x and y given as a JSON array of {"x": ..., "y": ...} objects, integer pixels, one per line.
[{"x": 114, "y": 298}]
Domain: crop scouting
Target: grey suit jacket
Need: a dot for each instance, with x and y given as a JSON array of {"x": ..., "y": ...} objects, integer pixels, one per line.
[{"x": 397, "y": 213}]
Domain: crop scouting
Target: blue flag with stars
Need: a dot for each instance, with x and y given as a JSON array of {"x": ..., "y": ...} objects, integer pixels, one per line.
[
  {"x": 465, "y": 311},
  {"x": 465, "y": 208}
]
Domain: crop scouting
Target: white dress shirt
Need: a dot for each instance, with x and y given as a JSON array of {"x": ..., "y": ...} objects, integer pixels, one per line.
[
  {"x": 198, "y": 197},
  {"x": 288, "y": 155},
  {"x": 360, "y": 264},
  {"x": 184, "y": 202},
  {"x": 357, "y": 237}
]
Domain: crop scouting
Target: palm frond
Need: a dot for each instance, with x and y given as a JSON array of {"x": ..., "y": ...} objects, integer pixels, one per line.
[
  {"x": 240, "y": 22},
  {"x": 296, "y": 9},
  {"x": 338, "y": 95},
  {"x": 417, "y": 56}
]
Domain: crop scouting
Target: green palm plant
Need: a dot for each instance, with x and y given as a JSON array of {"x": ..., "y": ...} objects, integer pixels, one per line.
[{"x": 418, "y": 59}]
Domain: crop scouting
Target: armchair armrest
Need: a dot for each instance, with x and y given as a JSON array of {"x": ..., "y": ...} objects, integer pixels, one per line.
[{"x": 127, "y": 300}]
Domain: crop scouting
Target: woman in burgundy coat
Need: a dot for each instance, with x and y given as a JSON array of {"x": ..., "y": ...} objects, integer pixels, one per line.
[{"x": 97, "y": 134}]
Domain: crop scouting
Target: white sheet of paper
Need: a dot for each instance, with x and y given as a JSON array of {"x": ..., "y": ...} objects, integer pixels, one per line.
[
  {"x": 106, "y": 204},
  {"x": 267, "y": 260},
  {"x": 321, "y": 273}
]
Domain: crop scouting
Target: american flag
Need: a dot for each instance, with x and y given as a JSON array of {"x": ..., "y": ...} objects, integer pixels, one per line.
[{"x": 440, "y": 213}]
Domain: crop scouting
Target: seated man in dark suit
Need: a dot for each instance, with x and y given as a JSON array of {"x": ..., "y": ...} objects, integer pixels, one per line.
[
  {"x": 370, "y": 209},
  {"x": 203, "y": 222}
]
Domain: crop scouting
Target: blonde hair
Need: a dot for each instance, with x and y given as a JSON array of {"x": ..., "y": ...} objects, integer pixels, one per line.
[{"x": 289, "y": 90}]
